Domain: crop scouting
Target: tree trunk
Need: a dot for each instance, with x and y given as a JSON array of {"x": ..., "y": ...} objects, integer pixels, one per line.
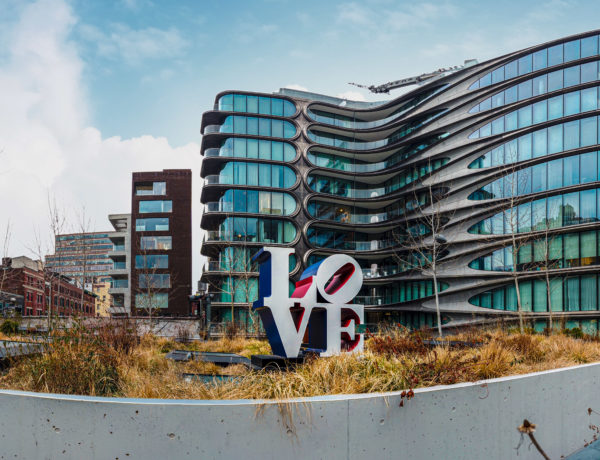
[{"x": 437, "y": 304}]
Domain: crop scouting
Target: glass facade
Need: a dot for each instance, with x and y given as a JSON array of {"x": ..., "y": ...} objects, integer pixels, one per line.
[
  {"x": 154, "y": 281},
  {"x": 256, "y": 230},
  {"x": 572, "y": 293},
  {"x": 155, "y": 206},
  {"x": 256, "y": 126},
  {"x": 339, "y": 163},
  {"x": 547, "y": 141},
  {"x": 542, "y": 84},
  {"x": 150, "y": 301},
  {"x": 255, "y": 174},
  {"x": 241, "y": 147},
  {"x": 156, "y": 242},
  {"x": 358, "y": 176},
  {"x": 556, "y": 251},
  {"x": 256, "y": 104},
  {"x": 257, "y": 202},
  {"x": 356, "y": 122},
  {"x": 553, "y": 212},
  {"x": 546, "y": 57},
  {"x": 562, "y": 172},
  {"x": 350, "y": 143},
  {"x": 151, "y": 188},
  {"x": 549, "y": 109},
  {"x": 351, "y": 189},
  {"x": 152, "y": 224},
  {"x": 151, "y": 261}
]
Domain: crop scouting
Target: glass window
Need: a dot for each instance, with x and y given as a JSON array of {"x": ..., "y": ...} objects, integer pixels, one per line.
[
  {"x": 525, "y": 90},
  {"x": 498, "y": 75},
  {"x": 154, "y": 281},
  {"x": 538, "y": 178},
  {"x": 540, "y": 59},
  {"x": 150, "y": 301},
  {"x": 540, "y": 143},
  {"x": 589, "y": 99},
  {"x": 570, "y": 209},
  {"x": 151, "y": 261},
  {"x": 571, "y": 76},
  {"x": 572, "y": 103},
  {"x": 239, "y": 103},
  {"x": 156, "y": 242},
  {"x": 151, "y": 188},
  {"x": 555, "y": 139},
  {"x": 510, "y": 121},
  {"x": 572, "y": 50},
  {"x": 277, "y": 107},
  {"x": 540, "y": 85},
  {"x": 589, "y": 46},
  {"x": 555, "y": 174},
  {"x": 525, "y": 64},
  {"x": 555, "y": 107},
  {"x": 571, "y": 135},
  {"x": 555, "y": 55},
  {"x": 511, "y": 95},
  {"x": 510, "y": 70},
  {"x": 589, "y": 72},
  {"x": 555, "y": 80},
  {"x": 588, "y": 205},
  {"x": 572, "y": 294},
  {"x": 571, "y": 171},
  {"x": 156, "y": 224},
  {"x": 589, "y": 167},
  {"x": 589, "y": 131},
  {"x": 540, "y": 302},
  {"x": 589, "y": 295}
]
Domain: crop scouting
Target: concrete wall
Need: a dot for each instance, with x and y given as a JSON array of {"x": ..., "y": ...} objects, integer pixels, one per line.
[{"x": 465, "y": 421}]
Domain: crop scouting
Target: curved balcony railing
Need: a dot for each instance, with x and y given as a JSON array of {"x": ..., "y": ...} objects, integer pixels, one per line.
[
  {"x": 373, "y": 245},
  {"x": 209, "y": 129},
  {"x": 343, "y": 121},
  {"x": 352, "y": 218},
  {"x": 218, "y": 266},
  {"x": 380, "y": 272}
]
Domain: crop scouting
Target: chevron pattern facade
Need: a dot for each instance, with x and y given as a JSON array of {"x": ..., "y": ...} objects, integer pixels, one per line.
[{"x": 510, "y": 147}]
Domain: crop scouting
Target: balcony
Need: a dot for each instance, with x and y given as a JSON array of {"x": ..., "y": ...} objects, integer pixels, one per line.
[
  {"x": 217, "y": 179},
  {"x": 209, "y": 129},
  {"x": 119, "y": 283},
  {"x": 379, "y": 272}
]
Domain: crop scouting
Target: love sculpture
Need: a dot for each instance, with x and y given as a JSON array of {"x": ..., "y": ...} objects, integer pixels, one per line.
[{"x": 318, "y": 313}]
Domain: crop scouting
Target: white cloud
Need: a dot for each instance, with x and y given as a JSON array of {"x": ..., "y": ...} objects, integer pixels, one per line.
[
  {"x": 135, "y": 45},
  {"x": 352, "y": 96},
  {"x": 46, "y": 139}
]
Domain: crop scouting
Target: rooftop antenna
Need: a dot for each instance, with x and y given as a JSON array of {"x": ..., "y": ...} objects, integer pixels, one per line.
[{"x": 387, "y": 87}]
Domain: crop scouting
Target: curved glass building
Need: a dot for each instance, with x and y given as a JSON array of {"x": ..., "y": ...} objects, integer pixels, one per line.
[{"x": 505, "y": 152}]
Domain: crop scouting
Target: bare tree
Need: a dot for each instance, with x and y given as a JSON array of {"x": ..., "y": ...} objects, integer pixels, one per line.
[
  {"x": 238, "y": 282},
  {"x": 5, "y": 245},
  {"x": 57, "y": 223},
  {"x": 422, "y": 241},
  {"x": 84, "y": 224}
]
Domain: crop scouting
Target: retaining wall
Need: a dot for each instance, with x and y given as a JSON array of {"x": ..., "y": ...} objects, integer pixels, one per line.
[{"x": 464, "y": 421}]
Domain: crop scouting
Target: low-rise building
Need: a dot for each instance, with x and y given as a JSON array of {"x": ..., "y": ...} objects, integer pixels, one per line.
[{"x": 103, "y": 298}]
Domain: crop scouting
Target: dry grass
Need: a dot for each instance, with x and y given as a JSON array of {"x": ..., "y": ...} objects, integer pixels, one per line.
[{"x": 119, "y": 364}]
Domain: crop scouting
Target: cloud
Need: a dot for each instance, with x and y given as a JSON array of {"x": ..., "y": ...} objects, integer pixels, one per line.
[
  {"x": 352, "y": 96},
  {"x": 133, "y": 46},
  {"x": 47, "y": 142}
]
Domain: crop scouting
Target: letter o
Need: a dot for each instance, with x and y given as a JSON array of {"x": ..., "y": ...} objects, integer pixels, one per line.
[{"x": 347, "y": 278}]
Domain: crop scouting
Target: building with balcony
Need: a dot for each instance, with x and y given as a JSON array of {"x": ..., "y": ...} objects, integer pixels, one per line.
[
  {"x": 504, "y": 153},
  {"x": 161, "y": 242},
  {"x": 82, "y": 256},
  {"x": 121, "y": 264}
]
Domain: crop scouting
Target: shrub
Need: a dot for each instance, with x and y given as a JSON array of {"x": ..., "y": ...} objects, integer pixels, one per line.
[
  {"x": 9, "y": 327},
  {"x": 575, "y": 332}
]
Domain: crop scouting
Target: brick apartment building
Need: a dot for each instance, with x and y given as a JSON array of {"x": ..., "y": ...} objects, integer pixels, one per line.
[
  {"x": 161, "y": 242},
  {"x": 24, "y": 276}
]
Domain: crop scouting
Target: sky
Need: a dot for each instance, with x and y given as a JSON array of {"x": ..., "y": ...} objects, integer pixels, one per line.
[{"x": 93, "y": 90}]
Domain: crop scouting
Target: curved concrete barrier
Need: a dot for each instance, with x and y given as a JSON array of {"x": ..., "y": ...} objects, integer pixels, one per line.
[{"x": 463, "y": 421}]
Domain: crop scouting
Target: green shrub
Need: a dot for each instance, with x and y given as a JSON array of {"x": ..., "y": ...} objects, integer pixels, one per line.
[{"x": 9, "y": 327}]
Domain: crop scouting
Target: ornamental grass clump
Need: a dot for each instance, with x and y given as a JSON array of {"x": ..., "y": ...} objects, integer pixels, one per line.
[
  {"x": 74, "y": 362},
  {"x": 118, "y": 362}
]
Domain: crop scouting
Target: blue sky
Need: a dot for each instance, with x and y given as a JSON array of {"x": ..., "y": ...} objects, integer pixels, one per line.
[{"x": 92, "y": 90}]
